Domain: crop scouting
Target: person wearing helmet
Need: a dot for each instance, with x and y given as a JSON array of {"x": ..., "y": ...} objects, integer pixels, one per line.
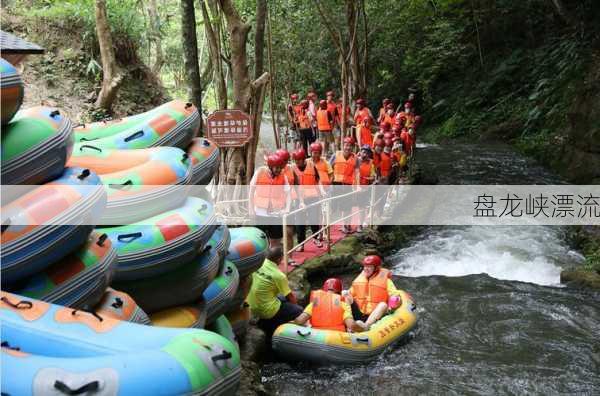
[
  {"x": 364, "y": 134},
  {"x": 310, "y": 190},
  {"x": 327, "y": 309},
  {"x": 325, "y": 124},
  {"x": 408, "y": 114},
  {"x": 382, "y": 110},
  {"x": 363, "y": 112},
  {"x": 269, "y": 197},
  {"x": 345, "y": 168},
  {"x": 270, "y": 298},
  {"x": 385, "y": 166},
  {"x": 335, "y": 113},
  {"x": 297, "y": 200},
  {"x": 370, "y": 292},
  {"x": 305, "y": 134},
  {"x": 323, "y": 167},
  {"x": 377, "y": 150}
]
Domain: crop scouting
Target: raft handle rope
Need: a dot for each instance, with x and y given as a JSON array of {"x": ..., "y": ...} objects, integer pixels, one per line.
[
  {"x": 118, "y": 303},
  {"x": 5, "y": 225},
  {"x": 129, "y": 237},
  {"x": 6, "y": 345},
  {"x": 202, "y": 208},
  {"x": 188, "y": 105},
  {"x": 94, "y": 314},
  {"x": 89, "y": 146},
  {"x": 226, "y": 355},
  {"x": 84, "y": 173},
  {"x": 122, "y": 186},
  {"x": 64, "y": 388},
  {"x": 300, "y": 333},
  {"x": 184, "y": 157},
  {"x": 54, "y": 113},
  {"x": 205, "y": 143},
  {"x": 23, "y": 304},
  {"x": 101, "y": 240},
  {"x": 228, "y": 271},
  {"x": 362, "y": 340},
  {"x": 136, "y": 135}
]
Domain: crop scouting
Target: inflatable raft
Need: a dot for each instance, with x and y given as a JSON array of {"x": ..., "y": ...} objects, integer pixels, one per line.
[
  {"x": 182, "y": 317},
  {"x": 220, "y": 292},
  {"x": 299, "y": 343},
  {"x": 222, "y": 327},
  {"x": 35, "y": 146},
  {"x": 183, "y": 285},
  {"x": 80, "y": 279},
  {"x": 173, "y": 124},
  {"x": 49, "y": 222},
  {"x": 164, "y": 242},
  {"x": 240, "y": 295},
  {"x": 11, "y": 91},
  {"x": 76, "y": 352},
  {"x": 139, "y": 183},
  {"x": 118, "y": 305},
  {"x": 205, "y": 160},
  {"x": 248, "y": 249}
]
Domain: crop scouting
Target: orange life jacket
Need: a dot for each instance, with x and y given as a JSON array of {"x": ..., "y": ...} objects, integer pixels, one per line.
[
  {"x": 343, "y": 169},
  {"x": 388, "y": 119},
  {"x": 366, "y": 137},
  {"x": 269, "y": 193},
  {"x": 322, "y": 169},
  {"x": 307, "y": 180},
  {"x": 361, "y": 115},
  {"x": 332, "y": 109},
  {"x": 368, "y": 293},
  {"x": 386, "y": 165},
  {"x": 323, "y": 121},
  {"x": 377, "y": 160},
  {"x": 297, "y": 108},
  {"x": 364, "y": 171},
  {"x": 303, "y": 120},
  {"x": 327, "y": 311}
]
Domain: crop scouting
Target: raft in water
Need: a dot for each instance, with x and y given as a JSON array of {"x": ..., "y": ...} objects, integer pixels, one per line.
[
  {"x": 298, "y": 343},
  {"x": 76, "y": 352}
]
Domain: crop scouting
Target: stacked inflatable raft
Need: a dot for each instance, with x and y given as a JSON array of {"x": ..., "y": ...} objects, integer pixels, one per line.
[{"x": 11, "y": 91}]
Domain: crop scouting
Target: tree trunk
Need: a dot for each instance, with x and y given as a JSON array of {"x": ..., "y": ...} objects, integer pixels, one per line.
[
  {"x": 563, "y": 12},
  {"x": 156, "y": 37},
  {"x": 190, "y": 53},
  {"x": 112, "y": 77},
  {"x": 259, "y": 37},
  {"x": 355, "y": 75},
  {"x": 214, "y": 49}
]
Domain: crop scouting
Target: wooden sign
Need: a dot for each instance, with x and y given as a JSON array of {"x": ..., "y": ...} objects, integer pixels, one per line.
[{"x": 229, "y": 128}]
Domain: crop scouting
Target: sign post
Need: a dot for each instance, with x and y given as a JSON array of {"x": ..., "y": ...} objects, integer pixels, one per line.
[{"x": 229, "y": 128}]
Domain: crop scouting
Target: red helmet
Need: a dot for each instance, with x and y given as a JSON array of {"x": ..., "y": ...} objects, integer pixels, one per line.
[
  {"x": 294, "y": 96},
  {"x": 379, "y": 142},
  {"x": 304, "y": 104},
  {"x": 316, "y": 146},
  {"x": 361, "y": 101},
  {"x": 386, "y": 101},
  {"x": 323, "y": 104},
  {"x": 299, "y": 154},
  {"x": 334, "y": 284},
  {"x": 330, "y": 93},
  {"x": 402, "y": 119},
  {"x": 349, "y": 140},
  {"x": 408, "y": 104},
  {"x": 388, "y": 135},
  {"x": 284, "y": 154},
  {"x": 372, "y": 260},
  {"x": 389, "y": 106},
  {"x": 384, "y": 126},
  {"x": 274, "y": 160}
]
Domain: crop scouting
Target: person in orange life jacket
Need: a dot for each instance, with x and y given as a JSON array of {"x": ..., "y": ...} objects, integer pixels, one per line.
[
  {"x": 366, "y": 175},
  {"x": 344, "y": 164},
  {"x": 377, "y": 150},
  {"x": 325, "y": 124},
  {"x": 382, "y": 110},
  {"x": 270, "y": 298},
  {"x": 311, "y": 190},
  {"x": 409, "y": 114},
  {"x": 364, "y": 134},
  {"x": 400, "y": 120},
  {"x": 323, "y": 167},
  {"x": 269, "y": 198},
  {"x": 332, "y": 108},
  {"x": 412, "y": 140},
  {"x": 370, "y": 292},
  {"x": 385, "y": 168},
  {"x": 406, "y": 141},
  {"x": 293, "y": 110},
  {"x": 362, "y": 112},
  {"x": 389, "y": 116},
  {"x": 297, "y": 200},
  {"x": 327, "y": 310},
  {"x": 305, "y": 134}
]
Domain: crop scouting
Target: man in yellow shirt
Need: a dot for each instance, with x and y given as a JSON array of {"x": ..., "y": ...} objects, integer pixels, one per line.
[
  {"x": 327, "y": 310},
  {"x": 270, "y": 298}
]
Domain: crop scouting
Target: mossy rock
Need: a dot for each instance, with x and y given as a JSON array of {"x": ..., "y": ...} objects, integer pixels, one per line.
[{"x": 581, "y": 278}]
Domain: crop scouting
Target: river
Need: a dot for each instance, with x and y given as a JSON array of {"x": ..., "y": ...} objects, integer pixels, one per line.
[{"x": 493, "y": 317}]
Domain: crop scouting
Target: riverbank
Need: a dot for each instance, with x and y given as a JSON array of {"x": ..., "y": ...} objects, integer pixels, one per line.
[{"x": 587, "y": 240}]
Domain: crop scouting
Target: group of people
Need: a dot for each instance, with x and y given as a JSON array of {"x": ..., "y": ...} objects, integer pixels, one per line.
[
  {"x": 371, "y": 296},
  {"x": 367, "y": 156}
]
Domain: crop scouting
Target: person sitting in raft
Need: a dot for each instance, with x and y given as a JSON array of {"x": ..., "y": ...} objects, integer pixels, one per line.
[
  {"x": 327, "y": 309},
  {"x": 370, "y": 291},
  {"x": 270, "y": 298}
]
